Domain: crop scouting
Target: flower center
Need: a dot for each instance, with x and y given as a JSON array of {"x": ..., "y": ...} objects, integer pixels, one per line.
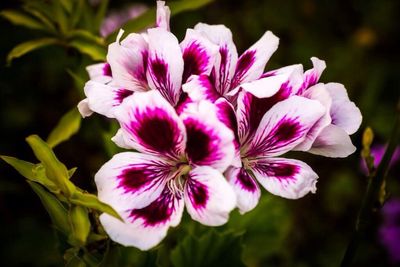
[{"x": 177, "y": 183}]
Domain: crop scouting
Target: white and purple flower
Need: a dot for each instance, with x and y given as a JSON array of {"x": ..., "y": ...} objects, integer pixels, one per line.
[{"x": 180, "y": 163}]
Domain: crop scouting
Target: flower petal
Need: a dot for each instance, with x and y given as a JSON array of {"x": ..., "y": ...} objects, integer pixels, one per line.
[
  {"x": 200, "y": 87},
  {"x": 209, "y": 141},
  {"x": 165, "y": 64},
  {"x": 163, "y": 15},
  {"x": 246, "y": 189},
  {"x": 251, "y": 63},
  {"x": 150, "y": 124},
  {"x": 83, "y": 107},
  {"x": 104, "y": 98},
  {"x": 333, "y": 142},
  {"x": 199, "y": 54},
  {"x": 311, "y": 77},
  {"x": 344, "y": 113},
  {"x": 144, "y": 228},
  {"x": 128, "y": 61},
  {"x": 100, "y": 72},
  {"x": 287, "y": 178},
  {"x": 226, "y": 60},
  {"x": 132, "y": 180},
  {"x": 316, "y": 92},
  {"x": 208, "y": 196},
  {"x": 284, "y": 126}
]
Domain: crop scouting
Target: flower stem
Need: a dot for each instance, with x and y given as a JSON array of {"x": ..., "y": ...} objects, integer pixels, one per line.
[{"x": 370, "y": 199}]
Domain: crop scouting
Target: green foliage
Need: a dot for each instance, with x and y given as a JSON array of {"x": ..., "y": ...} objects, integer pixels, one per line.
[
  {"x": 208, "y": 250},
  {"x": 29, "y": 46},
  {"x": 22, "y": 19},
  {"x": 80, "y": 225},
  {"x": 66, "y": 127}
]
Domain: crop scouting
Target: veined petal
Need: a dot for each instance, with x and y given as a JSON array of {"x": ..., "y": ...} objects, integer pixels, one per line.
[
  {"x": 200, "y": 87},
  {"x": 132, "y": 180},
  {"x": 100, "y": 72},
  {"x": 246, "y": 189},
  {"x": 287, "y": 178},
  {"x": 128, "y": 62},
  {"x": 163, "y": 15},
  {"x": 145, "y": 228},
  {"x": 333, "y": 142},
  {"x": 227, "y": 57},
  {"x": 311, "y": 77},
  {"x": 317, "y": 92},
  {"x": 150, "y": 124},
  {"x": 284, "y": 126},
  {"x": 251, "y": 63},
  {"x": 208, "y": 196},
  {"x": 83, "y": 107},
  {"x": 165, "y": 64},
  {"x": 345, "y": 114},
  {"x": 199, "y": 54},
  {"x": 209, "y": 141},
  {"x": 104, "y": 98}
]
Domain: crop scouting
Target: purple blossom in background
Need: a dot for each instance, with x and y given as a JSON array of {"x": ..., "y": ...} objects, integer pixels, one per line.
[
  {"x": 390, "y": 229},
  {"x": 116, "y": 19},
  {"x": 377, "y": 151}
]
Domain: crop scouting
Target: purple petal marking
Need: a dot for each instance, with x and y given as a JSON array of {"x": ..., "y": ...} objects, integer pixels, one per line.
[
  {"x": 140, "y": 73},
  {"x": 255, "y": 108},
  {"x": 195, "y": 60},
  {"x": 159, "y": 72},
  {"x": 159, "y": 212},
  {"x": 281, "y": 170},
  {"x": 107, "y": 70},
  {"x": 243, "y": 65},
  {"x": 223, "y": 80},
  {"x": 138, "y": 176},
  {"x": 286, "y": 131},
  {"x": 184, "y": 101},
  {"x": 245, "y": 181},
  {"x": 121, "y": 94},
  {"x": 197, "y": 193},
  {"x": 157, "y": 131}
]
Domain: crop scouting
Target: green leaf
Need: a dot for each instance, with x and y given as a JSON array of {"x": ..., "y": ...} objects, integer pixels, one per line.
[
  {"x": 92, "y": 202},
  {"x": 55, "y": 170},
  {"x": 56, "y": 210},
  {"x": 23, "y": 167},
  {"x": 66, "y": 127},
  {"x": 29, "y": 46},
  {"x": 80, "y": 225},
  {"x": 72, "y": 171},
  {"x": 211, "y": 249},
  {"x": 86, "y": 35},
  {"x": 22, "y": 19},
  {"x": 90, "y": 48},
  {"x": 100, "y": 14},
  {"x": 149, "y": 17},
  {"x": 48, "y": 23},
  {"x": 41, "y": 177},
  {"x": 60, "y": 16}
]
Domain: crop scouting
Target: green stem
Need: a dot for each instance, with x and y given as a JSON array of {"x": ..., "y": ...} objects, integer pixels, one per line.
[{"x": 368, "y": 206}]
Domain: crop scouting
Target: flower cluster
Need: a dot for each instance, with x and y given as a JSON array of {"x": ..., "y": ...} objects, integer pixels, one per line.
[{"x": 208, "y": 126}]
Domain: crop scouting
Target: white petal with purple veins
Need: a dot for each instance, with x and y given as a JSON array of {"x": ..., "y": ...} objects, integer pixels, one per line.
[
  {"x": 200, "y": 87},
  {"x": 208, "y": 197},
  {"x": 132, "y": 180},
  {"x": 165, "y": 64},
  {"x": 317, "y": 92},
  {"x": 246, "y": 189},
  {"x": 128, "y": 61},
  {"x": 100, "y": 72},
  {"x": 333, "y": 142},
  {"x": 287, "y": 178},
  {"x": 145, "y": 228},
  {"x": 311, "y": 76},
  {"x": 199, "y": 54},
  {"x": 209, "y": 141},
  {"x": 345, "y": 114},
  {"x": 150, "y": 124},
  {"x": 227, "y": 57},
  {"x": 251, "y": 63},
  {"x": 163, "y": 15},
  {"x": 284, "y": 126},
  {"x": 104, "y": 98}
]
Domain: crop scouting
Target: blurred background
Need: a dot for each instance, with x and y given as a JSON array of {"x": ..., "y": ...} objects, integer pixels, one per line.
[{"x": 359, "y": 40}]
